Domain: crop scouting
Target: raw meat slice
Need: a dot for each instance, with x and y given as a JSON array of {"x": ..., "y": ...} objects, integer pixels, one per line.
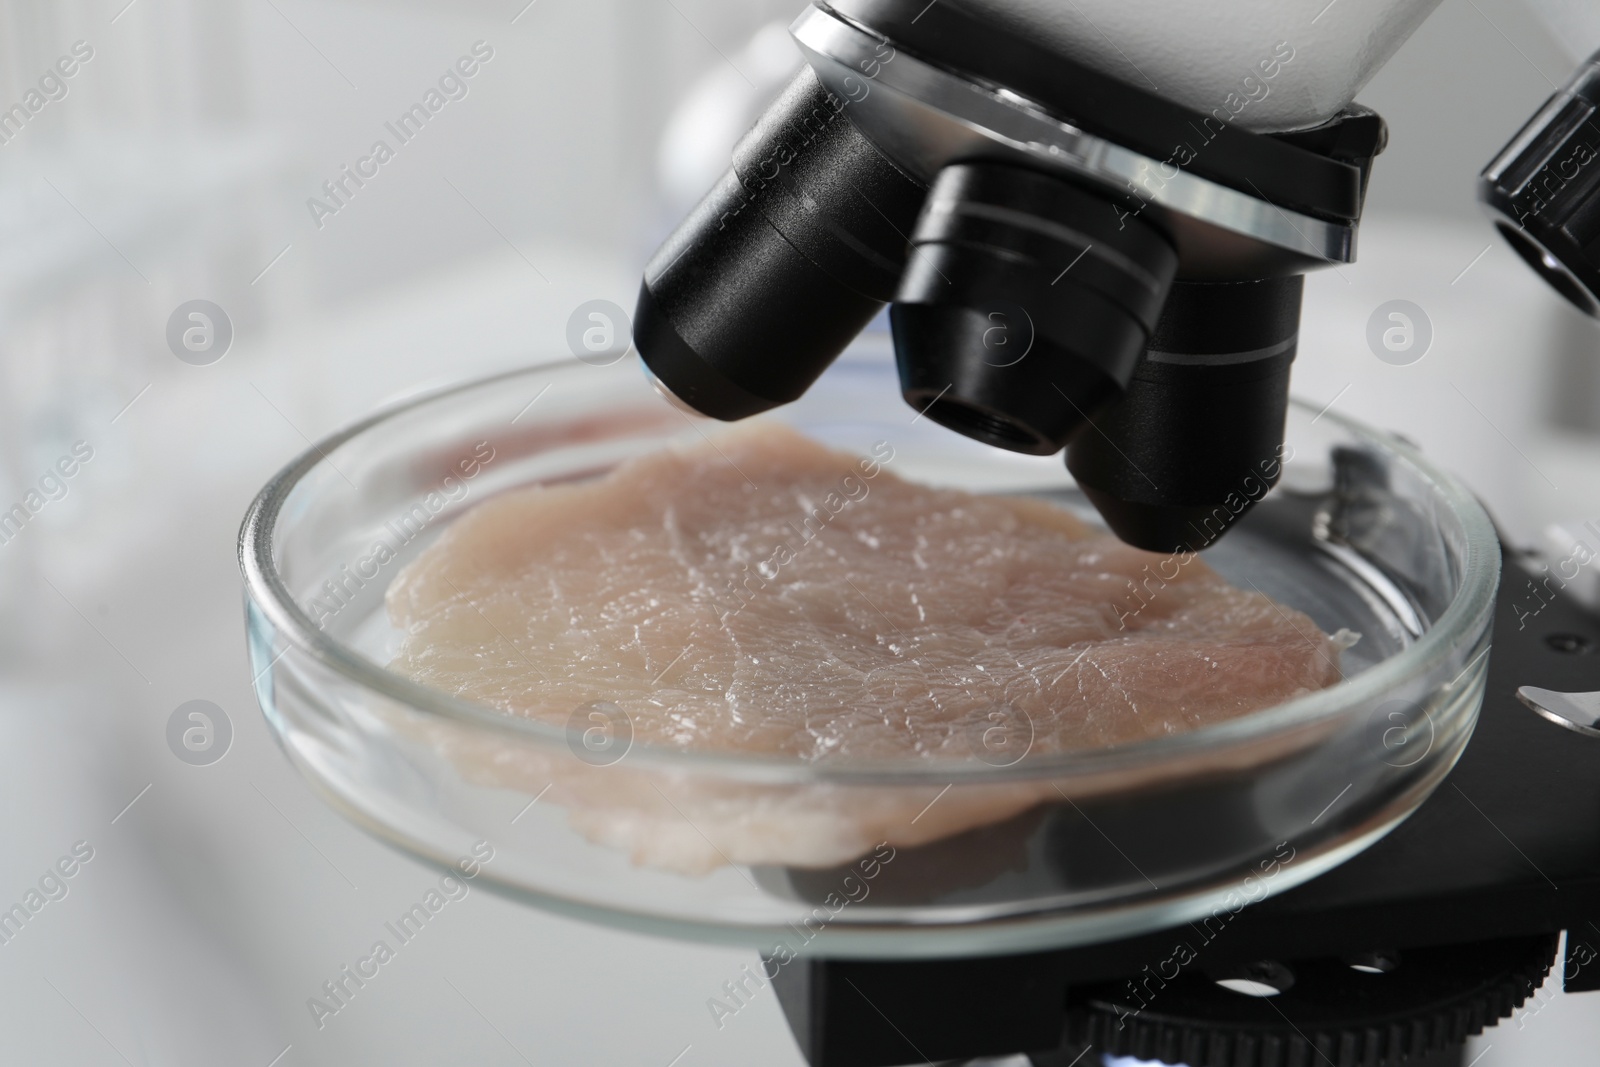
[{"x": 761, "y": 594}]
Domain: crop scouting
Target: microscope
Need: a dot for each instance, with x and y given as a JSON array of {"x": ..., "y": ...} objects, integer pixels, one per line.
[
  {"x": 1090, "y": 223},
  {"x": 1071, "y": 259}
]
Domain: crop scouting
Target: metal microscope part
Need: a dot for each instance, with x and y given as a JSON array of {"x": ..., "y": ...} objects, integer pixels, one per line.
[
  {"x": 1197, "y": 438},
  {"x": 1544, "y": 190},
  {"x": 1373, "y": 1009},
  {"x": 1026, "y": 305},
  {"x": 788, "y": 257},
  {"x": 1027, "y": 284},
  {"x": 1575, "y": 711},
  {"x": 1363, "y": 1007},
  {"x": 926, "y": 116}
]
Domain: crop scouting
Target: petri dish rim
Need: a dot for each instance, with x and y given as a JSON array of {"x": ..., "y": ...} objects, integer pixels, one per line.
[{"x": 1473, "y": 601}]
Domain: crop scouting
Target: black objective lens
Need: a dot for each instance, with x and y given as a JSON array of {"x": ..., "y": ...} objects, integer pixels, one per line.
[
  {"x": 1027, "y": 303},
  {"x": 1197, "y": 439},
  {"x": 781, "y": 265},
  {"x": 1542, "y": 185}
]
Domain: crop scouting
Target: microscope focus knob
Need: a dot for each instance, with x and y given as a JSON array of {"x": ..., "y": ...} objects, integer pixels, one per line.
[{"x": 1375, "y": 1009}]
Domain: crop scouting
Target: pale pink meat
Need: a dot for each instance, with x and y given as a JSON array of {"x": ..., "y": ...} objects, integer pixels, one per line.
[{"x": 764, "y": 594}]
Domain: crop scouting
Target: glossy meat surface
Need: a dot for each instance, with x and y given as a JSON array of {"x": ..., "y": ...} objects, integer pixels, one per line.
[{"x": 759, "y": 593}]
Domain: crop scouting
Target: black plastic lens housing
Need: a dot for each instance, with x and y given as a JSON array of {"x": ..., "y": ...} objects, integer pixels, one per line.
[
  {"x": 1198, "y": 438},
  {"x": 1030, "y": 278},
  {"x": 791, "y": 254},
  {"x": 1544, "y": 186},
  {"x": 1027, "y": 303}
]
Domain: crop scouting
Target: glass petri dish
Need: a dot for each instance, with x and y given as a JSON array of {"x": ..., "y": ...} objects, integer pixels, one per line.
[{"x": 1362, "y": 534}]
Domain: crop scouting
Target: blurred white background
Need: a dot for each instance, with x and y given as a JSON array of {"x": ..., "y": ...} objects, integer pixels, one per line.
[{"x": 178, "y": 166}]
